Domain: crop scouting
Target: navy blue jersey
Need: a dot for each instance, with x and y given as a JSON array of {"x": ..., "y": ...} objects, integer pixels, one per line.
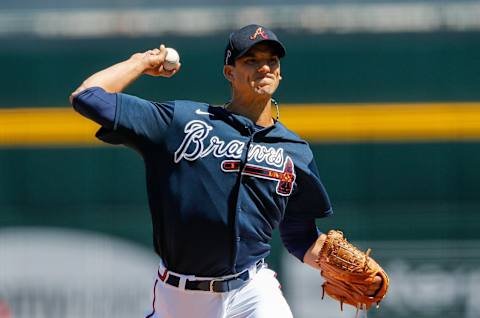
[{"x": 208, "y": 218}]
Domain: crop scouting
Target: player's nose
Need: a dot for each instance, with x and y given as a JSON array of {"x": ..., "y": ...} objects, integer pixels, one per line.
[{"x": 264, "y": 67}]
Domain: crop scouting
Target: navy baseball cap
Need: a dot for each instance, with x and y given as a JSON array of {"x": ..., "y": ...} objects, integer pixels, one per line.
[{"x": 240, "y": 41}]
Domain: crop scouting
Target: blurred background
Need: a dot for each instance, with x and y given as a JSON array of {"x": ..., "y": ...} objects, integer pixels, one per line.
[{"x": 387, "y": 93}]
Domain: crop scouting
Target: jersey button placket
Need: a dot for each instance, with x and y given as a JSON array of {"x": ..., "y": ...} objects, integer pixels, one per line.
[{"x": 238, "y": 210}]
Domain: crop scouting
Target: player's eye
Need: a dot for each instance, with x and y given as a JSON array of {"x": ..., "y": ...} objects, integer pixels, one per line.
[
  {"x": 250, "y": 61},
  {"x": 273, "y": 61}
]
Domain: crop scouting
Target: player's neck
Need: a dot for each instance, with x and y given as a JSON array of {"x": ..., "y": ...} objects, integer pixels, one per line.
[{"x": 259, "y": 109}]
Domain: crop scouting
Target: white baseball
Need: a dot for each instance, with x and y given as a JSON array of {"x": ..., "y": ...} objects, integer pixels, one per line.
[{"x": 171, "y": 60}]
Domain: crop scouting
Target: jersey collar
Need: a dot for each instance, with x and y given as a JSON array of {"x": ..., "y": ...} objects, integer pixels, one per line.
[{"x": 247, "y": 127}]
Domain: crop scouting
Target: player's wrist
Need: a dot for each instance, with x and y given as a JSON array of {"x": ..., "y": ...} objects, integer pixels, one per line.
[
  {"x": 139, "y": 62},
  {"x": 318, "y": 245},
  {"x": 312, "y": 254}
]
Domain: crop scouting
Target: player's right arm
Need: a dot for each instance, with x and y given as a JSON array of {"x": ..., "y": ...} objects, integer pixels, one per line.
[
  {"x": 122, "y": 116},
  {"x": 117, "y": 77}
]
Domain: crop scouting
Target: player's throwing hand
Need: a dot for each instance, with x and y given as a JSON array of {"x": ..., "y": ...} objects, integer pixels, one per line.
[{"x": 152, "y": 62}]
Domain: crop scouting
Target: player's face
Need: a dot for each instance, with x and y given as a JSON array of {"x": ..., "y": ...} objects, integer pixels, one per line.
[{"x": 257, "y": 72}]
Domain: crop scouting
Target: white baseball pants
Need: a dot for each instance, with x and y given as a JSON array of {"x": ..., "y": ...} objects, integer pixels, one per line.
[{"x": 261, "y": 297}]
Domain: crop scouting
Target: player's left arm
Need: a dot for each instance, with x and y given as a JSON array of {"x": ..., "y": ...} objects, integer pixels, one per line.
[
  {"x": 308, "y": 202},
  {"x": 302, "y": 239}
]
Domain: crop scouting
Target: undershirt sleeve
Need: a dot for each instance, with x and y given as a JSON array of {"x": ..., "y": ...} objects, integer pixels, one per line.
[
  {"x": 96, "y": 104},
  {"x": 298, "y": 235}
]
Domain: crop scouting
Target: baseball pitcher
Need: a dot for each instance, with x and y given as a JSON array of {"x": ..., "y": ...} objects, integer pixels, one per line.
[{"x": 220, "y": 179}]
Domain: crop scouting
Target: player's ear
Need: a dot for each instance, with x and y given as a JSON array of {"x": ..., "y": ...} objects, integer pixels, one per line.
[
  {"x": 279, "y": 71},
  {"x": 228, "y": 72}
]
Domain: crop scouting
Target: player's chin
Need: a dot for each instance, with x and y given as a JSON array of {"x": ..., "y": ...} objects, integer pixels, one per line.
[{"x": 266, "y": 90}]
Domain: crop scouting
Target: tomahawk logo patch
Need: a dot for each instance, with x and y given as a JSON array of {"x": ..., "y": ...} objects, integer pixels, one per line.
[{"x": 284, "y": 178}]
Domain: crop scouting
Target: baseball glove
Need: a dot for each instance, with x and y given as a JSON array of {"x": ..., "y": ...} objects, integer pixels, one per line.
[{"x": 348, "y": 273}]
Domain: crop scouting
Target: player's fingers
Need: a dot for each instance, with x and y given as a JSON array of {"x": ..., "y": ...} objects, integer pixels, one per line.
[
  {"x": 162, "y": 52},
  {"x": 169, "y": 73},
  {"x": 155, "y": 58},
  {"x": 372, "y": 288},
  {"x": 375, "y": 286},
  {"x": 165, "y": 73},
  {"x": 175, "y": 70}
]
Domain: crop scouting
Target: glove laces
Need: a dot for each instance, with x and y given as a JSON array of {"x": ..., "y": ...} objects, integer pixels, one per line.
[{"x": 361, "y": 308}]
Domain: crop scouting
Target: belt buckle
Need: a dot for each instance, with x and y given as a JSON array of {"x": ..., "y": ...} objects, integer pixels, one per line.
[{"x": 210, "y": 285}]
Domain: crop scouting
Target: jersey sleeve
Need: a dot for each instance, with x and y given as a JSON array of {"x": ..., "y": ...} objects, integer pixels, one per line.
[
  {"x": 309, "y": 198},
  {"x": 137, "y": 120}
]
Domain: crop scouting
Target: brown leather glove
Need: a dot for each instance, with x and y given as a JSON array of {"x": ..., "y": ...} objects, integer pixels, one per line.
[{"x": 349, "y": 273}]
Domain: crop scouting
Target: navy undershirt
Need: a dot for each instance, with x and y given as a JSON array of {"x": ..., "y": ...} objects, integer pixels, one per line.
[{"x": 298, "y": 235}]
